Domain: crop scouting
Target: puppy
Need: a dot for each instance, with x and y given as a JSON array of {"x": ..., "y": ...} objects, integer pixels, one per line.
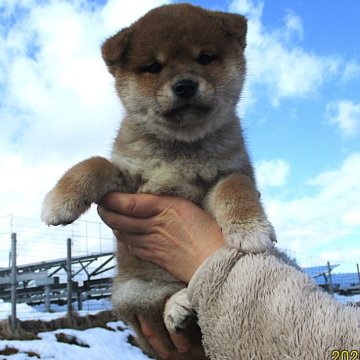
[{"x": 179, "y": 72}]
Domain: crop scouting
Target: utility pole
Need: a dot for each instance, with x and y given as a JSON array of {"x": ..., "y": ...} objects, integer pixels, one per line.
[
  {"x": 69, "y": 280},
  {"x": 331, "y": 288},
  {"x": 13, "y": 282}
]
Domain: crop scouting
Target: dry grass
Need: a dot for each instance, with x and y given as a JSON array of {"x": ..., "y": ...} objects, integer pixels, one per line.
[
  {"x": 8, "y": 350},
  {"x": 70, "y": 339},
  {"x": 28, "y": 330}
]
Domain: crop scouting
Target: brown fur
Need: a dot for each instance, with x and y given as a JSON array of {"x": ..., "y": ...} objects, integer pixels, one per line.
[{"x": 168, "y": 144}]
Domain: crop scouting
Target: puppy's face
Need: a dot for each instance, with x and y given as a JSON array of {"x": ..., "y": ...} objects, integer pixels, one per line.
[{"x": 179, "y": 70}]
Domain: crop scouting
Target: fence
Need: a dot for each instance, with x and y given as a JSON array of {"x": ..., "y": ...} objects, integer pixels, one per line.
[
  {"x": 46, "y": 272},
  {"x": 49, "y": 272}
]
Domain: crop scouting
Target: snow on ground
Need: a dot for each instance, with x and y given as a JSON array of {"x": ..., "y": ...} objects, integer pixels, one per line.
[{"x": 103, "y": 345}]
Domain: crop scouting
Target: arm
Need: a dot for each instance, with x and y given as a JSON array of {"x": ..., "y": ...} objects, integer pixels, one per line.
[
  {"x": 248, "y": 306},
  {"x": 257, "y": 306}
]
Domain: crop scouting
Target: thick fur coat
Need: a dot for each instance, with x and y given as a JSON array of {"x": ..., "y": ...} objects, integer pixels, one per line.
[
  {"x": 179, "y": 72},
  {"x": 258, "y": 307}
]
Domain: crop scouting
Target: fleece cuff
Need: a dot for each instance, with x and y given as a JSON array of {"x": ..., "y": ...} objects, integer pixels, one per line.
[{"x": 212, "y": 273}]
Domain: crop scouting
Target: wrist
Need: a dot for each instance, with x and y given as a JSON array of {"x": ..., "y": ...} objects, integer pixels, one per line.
[{"x": 201, "y": 258}]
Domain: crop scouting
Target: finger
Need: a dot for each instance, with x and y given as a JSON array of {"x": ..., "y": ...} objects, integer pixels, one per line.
[
  {"x": 153, "y": 340},
  {"x": 181, "y": 343},
  {"x": 137, "y": 205},
  {"x": 135, "y": 241},
  {"x": 146, "y": 254},
  {"x": 125, "y": 223}
]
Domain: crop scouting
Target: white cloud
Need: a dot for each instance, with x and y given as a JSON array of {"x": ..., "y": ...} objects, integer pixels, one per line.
[
  {"x": 351, "y": 71},
  {"x": 279, "y": 63},
  {"x": 58, "y": 103},
  {"x": 58, "y": 106},
  {"x": 346, "y": 115},
  {"x": 272, "y": 173},
  {"x": 352, "y": 217},
  {"x": 343, "y": 254},
  {"x": 293, "y": 25},
  {"x": 24, "y": 184},
  {"x": 331, "y": 214},
  {"x": 276, "y": 61},
  {"x": 63, "y": 89},
  {"x": 248, "y": 7}
]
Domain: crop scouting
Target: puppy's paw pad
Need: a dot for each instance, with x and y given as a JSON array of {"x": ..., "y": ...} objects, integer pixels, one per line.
[{"x": 178, "y": 313}]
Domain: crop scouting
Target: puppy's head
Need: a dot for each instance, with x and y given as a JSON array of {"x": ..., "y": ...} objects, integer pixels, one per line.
[{"x": 179, "y": 69}]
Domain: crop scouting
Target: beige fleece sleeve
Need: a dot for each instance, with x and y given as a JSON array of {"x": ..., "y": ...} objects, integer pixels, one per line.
[{"x": 259, "y": 307}]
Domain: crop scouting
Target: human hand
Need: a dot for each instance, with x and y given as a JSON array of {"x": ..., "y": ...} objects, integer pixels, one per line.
[
  {"x": 183, "y": 349},
  {"x": 171, "y": 232}
]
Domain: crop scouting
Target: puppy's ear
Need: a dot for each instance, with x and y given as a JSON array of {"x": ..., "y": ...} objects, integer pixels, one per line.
[
  {"x": 234, "y": 25},
  {"x": 114, "y": 49}
]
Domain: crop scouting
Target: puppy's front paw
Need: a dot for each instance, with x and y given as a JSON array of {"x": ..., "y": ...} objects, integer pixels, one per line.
[
  {"x": 63, "y": 208},
  {"x": 178, "y": 314},
  {"x": 253, "y": 236},
  {"x": 83, "y": 184}
]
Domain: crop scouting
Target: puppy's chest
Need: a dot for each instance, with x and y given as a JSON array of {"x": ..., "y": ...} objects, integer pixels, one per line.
[{"x": 185, "y": 177}]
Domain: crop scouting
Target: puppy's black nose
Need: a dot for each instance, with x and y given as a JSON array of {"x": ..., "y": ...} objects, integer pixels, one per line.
[{"x": 185, "y": 88}]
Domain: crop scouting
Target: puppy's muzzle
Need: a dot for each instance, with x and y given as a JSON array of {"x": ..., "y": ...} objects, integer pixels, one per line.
[{"x": 185, "y": 89}]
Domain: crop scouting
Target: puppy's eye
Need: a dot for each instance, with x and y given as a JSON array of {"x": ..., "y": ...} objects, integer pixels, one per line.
[
  {"x": 205, "y": 59},
  {"x": 154, "y": 68}
]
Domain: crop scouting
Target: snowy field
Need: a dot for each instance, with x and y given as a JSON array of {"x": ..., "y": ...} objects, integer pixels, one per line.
[{"x": 92, "y": 344}]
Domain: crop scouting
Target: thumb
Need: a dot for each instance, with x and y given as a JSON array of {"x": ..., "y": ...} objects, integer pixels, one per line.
[{"x": 136, "y": 205}]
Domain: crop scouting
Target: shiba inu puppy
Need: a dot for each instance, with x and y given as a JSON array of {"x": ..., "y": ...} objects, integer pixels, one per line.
[{"x": 179, "y": 72}]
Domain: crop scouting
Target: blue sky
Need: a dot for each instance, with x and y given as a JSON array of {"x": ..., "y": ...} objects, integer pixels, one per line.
[{"x": 300, "y": 107}]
